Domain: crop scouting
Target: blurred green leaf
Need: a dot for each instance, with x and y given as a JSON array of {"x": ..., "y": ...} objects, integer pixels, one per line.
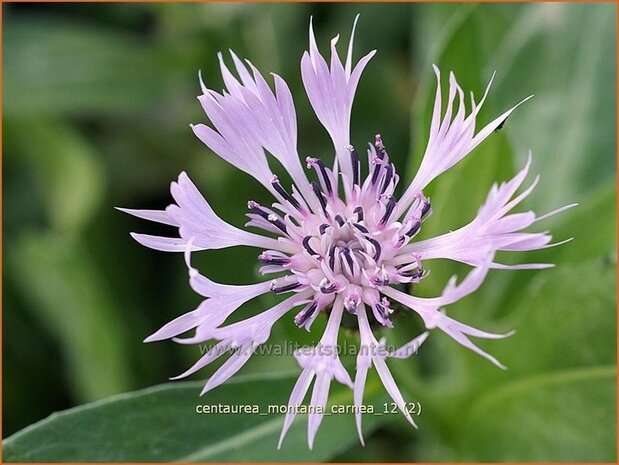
[
  {"x": 58, "y": 277},
  {"x": 565, "y": 54},
  {"x": 62, "y": 67},
  {"x": 161, "y": 424},
  {"x": 561, "y": 416},
  {"x": 68, "y": 169}
]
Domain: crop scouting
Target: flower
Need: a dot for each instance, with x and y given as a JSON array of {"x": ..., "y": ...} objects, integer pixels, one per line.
[{"x": 342, "y": 243}]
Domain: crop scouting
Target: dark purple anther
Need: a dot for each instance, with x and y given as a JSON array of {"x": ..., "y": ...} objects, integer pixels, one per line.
[
  {"x": 388, "y": 176},
  {"x": 332, "y": 257},
  {"x": 377, "y": 248},
  {"x": 269, "y": 259},
  {"x": 304, "y": 315},
  {"x": 323, "y": 172},
  {"x": 323, "y": 227},
  {"x": 426, "y": 207},
  {"x": 380, "y": 147},
  {"x": 339, "y": 220},
  {"x": 278, "y": 187},
  {"x": 328, "y": 289},
  {"x": 307, "y": 246},
  {"x": 389, "y": 210},
  {"x": 321, "y": 197},
  {"x": 356, "y": 167},
  {"x": 359, "y": 212},
  {"x": 414, "y": 229},
  {"x": 348, "y": 258},
  {"x": 361, "y": 228},
  {"x": 270, "y": 217},
  {"x": 282, "y": 289}
]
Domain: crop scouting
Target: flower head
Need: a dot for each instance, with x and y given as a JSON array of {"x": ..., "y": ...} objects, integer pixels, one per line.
[{"x": 340, "y": 241}]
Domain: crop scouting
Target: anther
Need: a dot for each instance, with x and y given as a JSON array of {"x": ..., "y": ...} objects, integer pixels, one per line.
[
  {"x": 339, "y": 220},
  {"x": 332, "y": 257},
  {"x": 281, "y": 289},
  {"x": 389, "y": 209},
  {"x": 270, "y": 217},
  {"x": 414, "y": 229},
  {"x": 377, "y": 248},
  {"x": 278, "y": 187},
  {"x": 388, "y": 176},
  {"x": 321, "y": 170},
  {"x": 361, "y": 228},
  {"x": 426, "y": 207},
  {"x": 328, "y": 288},
  {"x": 322, "y": 228},
  {"x": 321, "y": 197},
  {"x": 307, "y": 246},
  {"x": 304, "y": 315},
  {"x": 351, "y": 302},
  {"x": 359, "y": 212},
  {"x": 356, "y": 167},
  {"x": 268, "y": 259}
]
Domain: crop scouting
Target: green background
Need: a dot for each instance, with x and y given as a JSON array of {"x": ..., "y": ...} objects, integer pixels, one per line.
[{"x": 97, "y": 102}]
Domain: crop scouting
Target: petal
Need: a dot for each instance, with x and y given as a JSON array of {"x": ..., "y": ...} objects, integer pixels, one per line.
[
  {"x": 158, "y": 216},
  {"x": 229, "y": 368},
  {"x": 178, "y": 326},
  {"x": 450, "y": 141},
  {"x": 296, "y": 399},
  {"x": 318, "y": 402},
  {"x": 391, "y": 387},
  {"x": 410, "y": 348},
  {"x": 331, "y": 92},
  {"x": 197, "y": 220},
  {"x": 493, "y": 229}
]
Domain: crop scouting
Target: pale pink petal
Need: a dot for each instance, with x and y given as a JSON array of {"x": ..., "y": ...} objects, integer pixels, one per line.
[{"x": 296, "y": 399}]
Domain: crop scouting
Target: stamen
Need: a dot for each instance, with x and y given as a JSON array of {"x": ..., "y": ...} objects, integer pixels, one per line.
[
  {"x": 279, "y": 224},
  {"x": 413, "y": 274},
  {"x": 361, "y": 228},
  {"x": 390, "y": 206},
  {"x": 388, "y": 176},
  {"x": 339, "y": 220},
  {"x": 267, "y": 258},
  {"x": 380, "y": 147},
  {"x": 332, "y": 257},
  {"x": 270, "y": 217},
  {"x": 359, "y": 212},
  {"x": 322, "y": 171},
  {"x": 281, "y": 289},
  {"x": 426, "y": 207},
  {"x": 377, "y": 248},
  {"x": 356, "y": 167},
  {"x": 322, "y": 228},
  {"x": 307, "y": 246},
  {"x": 414, "y": 229},
  {"x": 328, "y": 288},
  {"x": 348, "y": 257},
  {"x": 381, "y": 313},
  {"x": 289, "y": 198},
  {"x": 321, "y": 197},
  {"x": 304, "y": 315},
  {"x": 377, "y": 168},
  {"x": 351, "y": 302}
]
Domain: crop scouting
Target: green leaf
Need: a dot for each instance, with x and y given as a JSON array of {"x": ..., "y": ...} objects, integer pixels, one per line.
[
  {"x": 565, "y": 54},
  {"x": 161, "y": 424},
  {"x": 59, "y": 67},
  {"x": 68, "y": 169},
  {"x": 58, "y": 277},
  {"x": 561, "y": 416}
]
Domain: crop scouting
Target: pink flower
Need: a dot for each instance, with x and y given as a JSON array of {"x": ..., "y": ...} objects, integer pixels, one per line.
[{"x": 341, "y": 243}]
